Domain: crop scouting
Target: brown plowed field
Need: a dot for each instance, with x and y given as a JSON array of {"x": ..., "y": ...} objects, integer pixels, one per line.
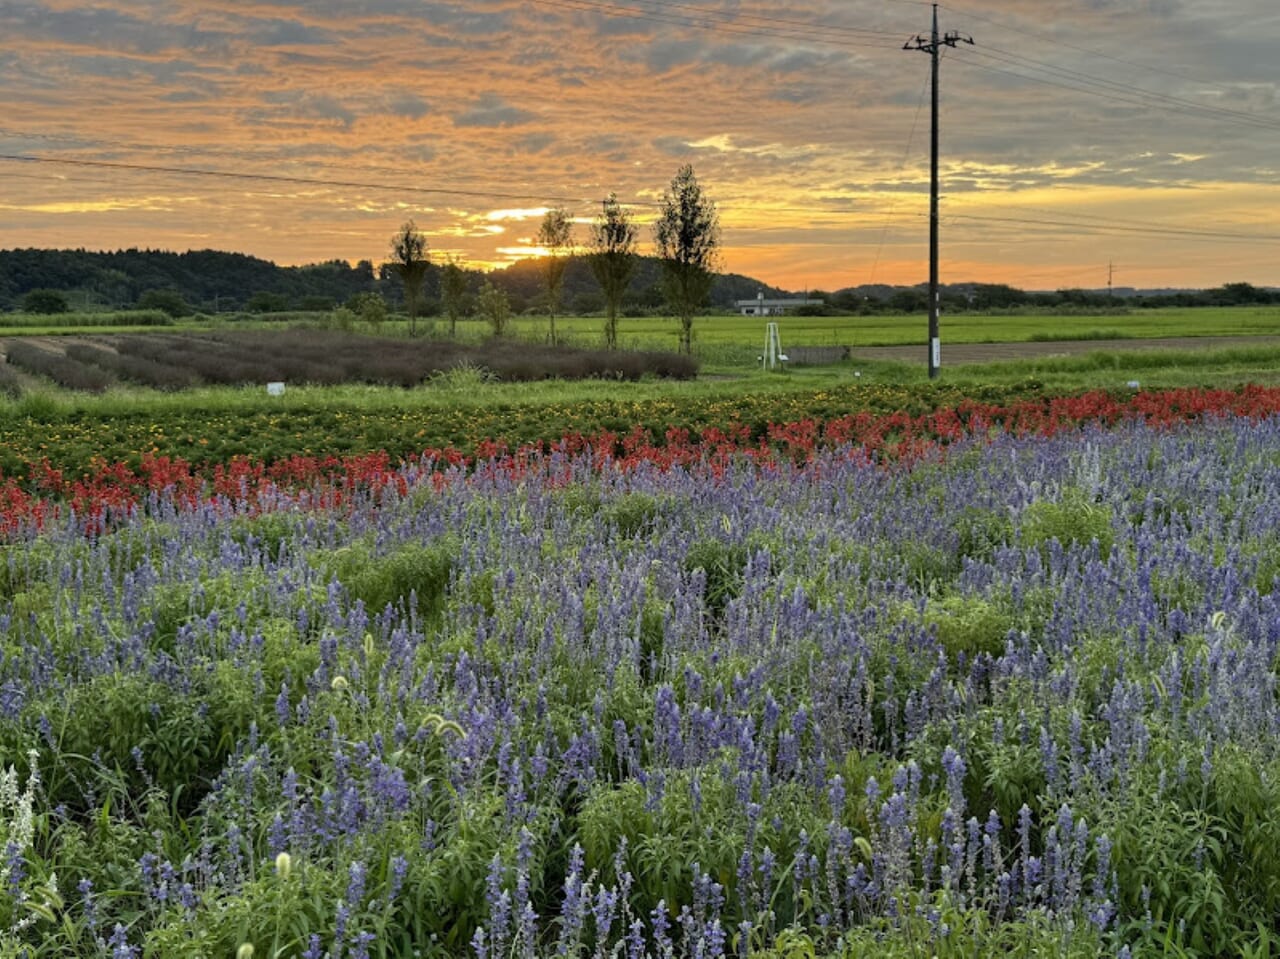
[{"x": 963, "y": 353}]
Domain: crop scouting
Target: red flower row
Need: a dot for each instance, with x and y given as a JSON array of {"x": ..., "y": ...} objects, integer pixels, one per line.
[{"x": 113, "y": 489}]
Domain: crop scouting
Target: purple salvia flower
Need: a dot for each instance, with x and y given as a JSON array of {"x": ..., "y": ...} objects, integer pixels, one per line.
[
  {"x": 635, "y": 940},
  {"x": 835, "y": 796},
  {"x": 399, "y": 869},
  {"x": 953, "y": 767},
  {"x": 119, "y": 943},
  {"x": 602, "y": 913},
  {"x": 661, "y": 921},
  {"x": 357, "y": 874}
]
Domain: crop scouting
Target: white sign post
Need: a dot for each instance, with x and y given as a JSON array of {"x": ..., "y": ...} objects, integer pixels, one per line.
[{"x": 773, "y": 354}]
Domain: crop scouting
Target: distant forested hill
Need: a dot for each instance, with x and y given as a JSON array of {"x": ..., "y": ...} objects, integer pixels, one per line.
[
  {"x": 207, "y": 279},
  {"x": 210, "y": 280}
]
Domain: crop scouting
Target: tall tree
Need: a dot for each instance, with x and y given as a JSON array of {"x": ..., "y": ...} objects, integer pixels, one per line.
[
  {"x": 555, "y": 236},
  {"x": 409, "y": 261},
  {"x": 687, "y": 235},
  {"x": 453, "y": 287},
  {"x": 494, "y": 307},
  {"x": 613, "y": 260}
]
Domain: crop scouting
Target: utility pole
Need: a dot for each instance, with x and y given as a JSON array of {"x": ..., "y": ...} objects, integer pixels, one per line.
[
  {"x": 1111, "y": 272},
  {"x": 933, "y": 46}
]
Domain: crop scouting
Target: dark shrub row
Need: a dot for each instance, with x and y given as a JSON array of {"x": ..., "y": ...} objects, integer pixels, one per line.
[
  {"x": 329, "y": 357},
  {"x": 136, "y": 369},
  {"x": 63, "y": 370},
  {"x": 227, "y": 362},
  {"x": 172, "y": 361},
  {"x": 9, "y": 384}
]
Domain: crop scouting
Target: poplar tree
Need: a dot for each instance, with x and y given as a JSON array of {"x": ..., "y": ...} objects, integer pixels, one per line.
[
  {"x": 687, "y": 235},
  {"x": 555, "y": 236},
  {"x": 453, "y": 288},
  {"x": 409, "y": 261},
  {"x": 613, "y": 260}
]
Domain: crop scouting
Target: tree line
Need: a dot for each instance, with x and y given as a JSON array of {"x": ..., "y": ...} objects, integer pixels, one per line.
[
  {"x": 998, "y": 297},
  {"x": 605, "y": 274},
  {"x": 686, "y": 238}
]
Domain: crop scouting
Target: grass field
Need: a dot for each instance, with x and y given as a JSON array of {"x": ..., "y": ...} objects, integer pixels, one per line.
[
  {"x": 714, "y": 333},
  {"x": 209, "y": 424},
  {"x": 737, "y": 340},
  {"x": 855, "y": 331}
]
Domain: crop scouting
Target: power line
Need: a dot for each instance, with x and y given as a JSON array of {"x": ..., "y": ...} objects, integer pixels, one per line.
[
  {"x": 717, "y": 22},
  {"x": 199, "y": 152},
  {"x": 202, "y": 152},
  {"x": 1092, "y": 218},
  {"x": 1111, "y": 90},
  {"x": 1093, "y": 224},
  {"x": 1021, "y": 31},
  {"x": 737, "y": 17},
  {"x": 893, "y": 207},
  {"x": 1107, "y": 229},
  {"x": 302, "y": 181},
  {"x": 726, "y": 205},
  {"x": 750, "y": 24},
  {"x": 1172, "y": 102}
]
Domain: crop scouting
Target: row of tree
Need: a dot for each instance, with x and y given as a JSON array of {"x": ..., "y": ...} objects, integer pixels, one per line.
[
  {"x": 686, "y": 237},
  {"x": 996, "y": 297}
]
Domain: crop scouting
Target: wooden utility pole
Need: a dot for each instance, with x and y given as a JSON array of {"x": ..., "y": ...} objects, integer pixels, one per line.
[{"x": 933, "y": 47}]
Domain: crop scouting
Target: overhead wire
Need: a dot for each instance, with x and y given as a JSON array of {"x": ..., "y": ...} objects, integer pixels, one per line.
[
  {"x": 739, "y": 17},
  {"x": 301, "y": 180},
  {"x": 366, "y": 185},
  {"x": 716, "y": 21},
  {"x": 1102, "y": 228},
  {"x": 1058, "y": 41},
  {"x": 906, "y": 153},
  {"x": 1094, "y": 218},
  {"x": 1113, "y": 90}
]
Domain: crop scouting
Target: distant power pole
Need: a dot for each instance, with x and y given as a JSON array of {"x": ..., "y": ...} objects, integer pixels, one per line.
[
  {"x": 1111, "y": 272},
  {"x": 933, "y": 47}
]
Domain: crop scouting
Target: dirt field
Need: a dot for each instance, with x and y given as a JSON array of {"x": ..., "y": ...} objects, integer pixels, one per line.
[{"x": 963, "y": 353}]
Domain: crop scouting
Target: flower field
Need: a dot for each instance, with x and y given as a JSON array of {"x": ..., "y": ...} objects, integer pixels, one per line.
[
  {"x": 112, "y": 463},
  {"x": 985, "y": 680}
]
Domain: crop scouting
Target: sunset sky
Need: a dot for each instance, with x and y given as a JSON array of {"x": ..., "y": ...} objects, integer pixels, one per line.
[{"x": 1077, "y": 135}]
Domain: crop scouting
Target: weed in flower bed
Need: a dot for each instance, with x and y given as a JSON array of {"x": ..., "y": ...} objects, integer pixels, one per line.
[{"x": 1018, "y": 698}]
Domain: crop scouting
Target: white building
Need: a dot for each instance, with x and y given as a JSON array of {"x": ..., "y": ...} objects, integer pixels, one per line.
[{"x": 762, "y": 307}]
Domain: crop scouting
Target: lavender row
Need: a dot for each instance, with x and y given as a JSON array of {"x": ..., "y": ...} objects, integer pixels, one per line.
[{"x": 1023, "y": 693}]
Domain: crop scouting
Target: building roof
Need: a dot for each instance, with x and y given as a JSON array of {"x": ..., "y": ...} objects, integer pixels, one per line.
[{"x": 798, "y": 301}]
